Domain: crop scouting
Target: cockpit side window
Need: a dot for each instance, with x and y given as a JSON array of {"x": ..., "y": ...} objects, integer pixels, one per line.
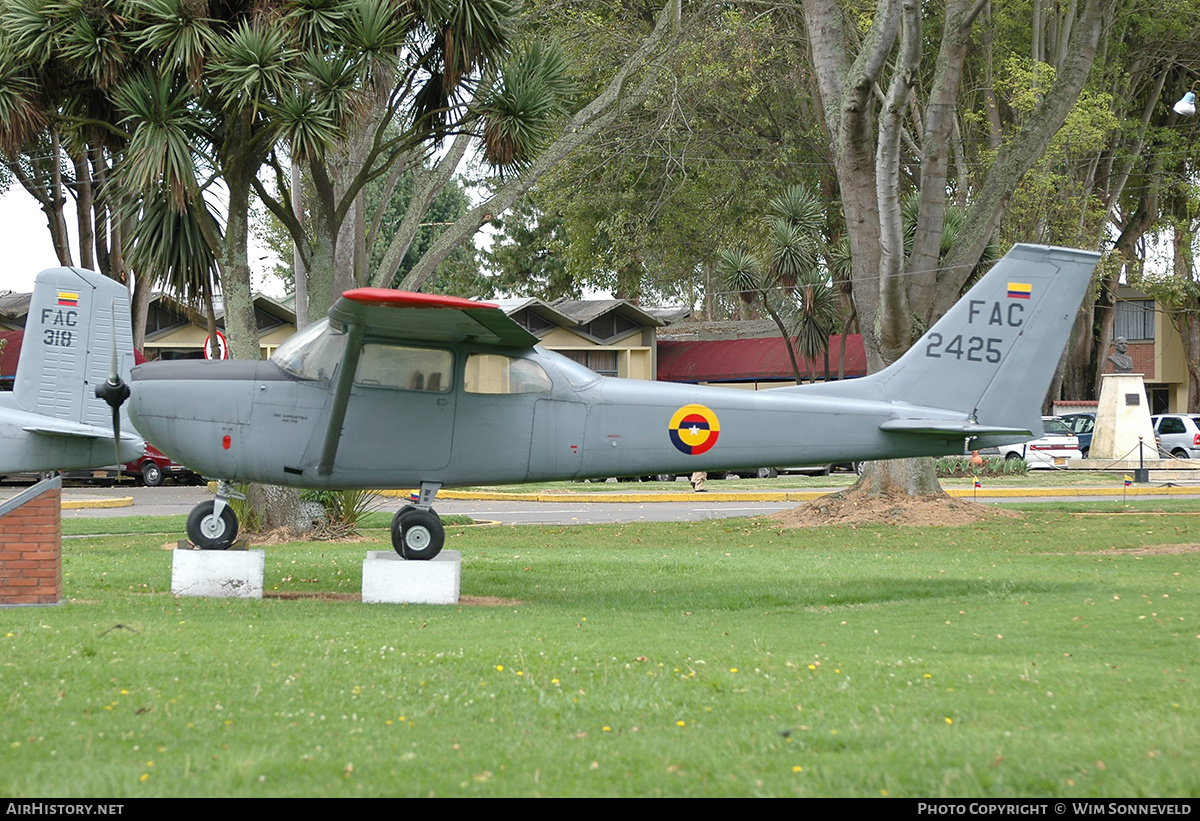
[
  {"x": 395, "y": 366},
  {"x": 313, "y": 353},
  {"x": 497, "y": 374}
]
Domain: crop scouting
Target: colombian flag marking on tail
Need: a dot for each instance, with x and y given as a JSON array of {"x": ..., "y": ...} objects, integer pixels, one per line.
[
  {"x": 68, "y": 298},
  {"x": 694, "y": 429},
  {"x": 1020, "y": 290}
]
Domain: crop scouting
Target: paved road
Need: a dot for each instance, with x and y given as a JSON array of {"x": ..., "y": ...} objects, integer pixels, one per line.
[{"x": 168, "y": 499}]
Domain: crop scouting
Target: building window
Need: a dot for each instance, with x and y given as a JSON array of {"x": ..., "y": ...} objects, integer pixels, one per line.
[
  {"x": 609, "y": 326},
  {"x": 532, "y": 322},
  {"x": 602, "y": 362},
  {"x": 1134, "y": 319}
]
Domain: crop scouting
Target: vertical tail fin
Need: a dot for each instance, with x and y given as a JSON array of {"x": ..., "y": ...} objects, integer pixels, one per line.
[
  {"x": 990, "y": 360},
  {"x": 68, "y": 345}
]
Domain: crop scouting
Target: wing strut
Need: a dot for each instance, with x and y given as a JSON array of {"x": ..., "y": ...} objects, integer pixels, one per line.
[{"x": 341, "y": 398}]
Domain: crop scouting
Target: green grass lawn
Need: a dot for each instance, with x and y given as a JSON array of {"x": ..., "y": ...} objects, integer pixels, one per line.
[{"x": 1034, "y": 657}]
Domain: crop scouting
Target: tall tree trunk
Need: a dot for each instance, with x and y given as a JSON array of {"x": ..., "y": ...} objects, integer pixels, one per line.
[
  {"x": 139, "y": 307},
  {"x": 58, "y": 224},
  {"x": 888, "y": 289},
  {"x": 83, "y": 212},
  {"x": 240, "y": 325},
  {"x": 299, "y": 270}
]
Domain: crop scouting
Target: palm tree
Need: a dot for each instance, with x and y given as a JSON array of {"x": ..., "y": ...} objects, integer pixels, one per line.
[
  {"x": 788, "y": 282},
  {"x": 816, "y": 318},
  {"x": 169, "y": 246}
]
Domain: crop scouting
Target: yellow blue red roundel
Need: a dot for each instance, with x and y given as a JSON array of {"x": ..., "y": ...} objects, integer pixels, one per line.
[{"x": 694, "y": 429}]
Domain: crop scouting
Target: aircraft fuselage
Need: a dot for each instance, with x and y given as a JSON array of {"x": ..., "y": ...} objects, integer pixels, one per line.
[{"x": 252, "y": 421}]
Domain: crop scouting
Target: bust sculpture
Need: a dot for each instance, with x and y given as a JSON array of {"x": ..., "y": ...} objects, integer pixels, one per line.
[{"x": 1121, "y": 361}]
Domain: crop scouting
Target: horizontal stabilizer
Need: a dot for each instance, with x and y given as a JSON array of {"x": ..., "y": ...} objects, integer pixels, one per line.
[
  {"x": 937, "y": 427},
  {"x": 52, "y": 427}
]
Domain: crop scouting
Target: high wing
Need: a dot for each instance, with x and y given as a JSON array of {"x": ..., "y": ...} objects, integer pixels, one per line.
[
  {"x": 428, "y": 318},
  {"x": 380, "y": 312}
]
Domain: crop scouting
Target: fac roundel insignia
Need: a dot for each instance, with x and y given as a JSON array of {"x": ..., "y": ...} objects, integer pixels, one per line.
[{"x": 694, "y": 429}]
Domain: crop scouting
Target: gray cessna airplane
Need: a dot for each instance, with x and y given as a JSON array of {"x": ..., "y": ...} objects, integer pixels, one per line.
[
  {"x": 400, "y": 389},
  {"x": 53, "y": 418}
]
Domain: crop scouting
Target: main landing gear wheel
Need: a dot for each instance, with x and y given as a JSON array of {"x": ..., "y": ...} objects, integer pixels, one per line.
[
  {"x": 417, "y": 533},
  {"x": 209, "y": 532}
]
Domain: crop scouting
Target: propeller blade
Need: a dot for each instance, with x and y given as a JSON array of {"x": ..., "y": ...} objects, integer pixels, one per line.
[{"x": 114, "y": 391}]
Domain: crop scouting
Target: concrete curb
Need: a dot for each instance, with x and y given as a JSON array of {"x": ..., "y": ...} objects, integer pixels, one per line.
[
  {"x": 602, "y": 497},
  {"x": 80, "y": 504}
]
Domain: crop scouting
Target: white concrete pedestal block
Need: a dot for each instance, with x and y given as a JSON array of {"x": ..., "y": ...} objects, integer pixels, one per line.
[
  {"x": 1123, "y": 426},
  {"x": 389, "y": 579},
  {"x": 218, "y": 574}
]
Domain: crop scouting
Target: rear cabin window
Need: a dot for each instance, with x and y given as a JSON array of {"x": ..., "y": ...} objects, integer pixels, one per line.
[
  {"x": 496, "y": 374},
  {"x": 413, "y": 369}
]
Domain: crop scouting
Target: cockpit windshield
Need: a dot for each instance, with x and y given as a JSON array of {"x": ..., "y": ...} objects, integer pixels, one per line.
[{"x": 313, "y": 353}]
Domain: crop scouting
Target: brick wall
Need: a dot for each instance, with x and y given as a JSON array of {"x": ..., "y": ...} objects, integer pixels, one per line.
[{"x": 31, "y": 546}]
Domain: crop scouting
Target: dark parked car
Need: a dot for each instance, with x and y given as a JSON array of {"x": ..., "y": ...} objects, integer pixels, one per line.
[{"x": 1083, "y": 425}]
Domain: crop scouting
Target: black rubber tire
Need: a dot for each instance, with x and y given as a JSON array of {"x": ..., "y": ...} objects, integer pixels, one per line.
[
  {"x": 417, "y": 535},
  {"x": 208, "y": 532},
  {"x": 766, "y": 473},
  {"x": 1012, "y": 456},
  {"x": 152, "y": 475}
]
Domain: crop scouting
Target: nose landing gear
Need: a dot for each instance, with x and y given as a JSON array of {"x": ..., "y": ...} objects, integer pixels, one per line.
[
  {"x": 213, "y": 525},
  {"x": 417, "y": 531}
]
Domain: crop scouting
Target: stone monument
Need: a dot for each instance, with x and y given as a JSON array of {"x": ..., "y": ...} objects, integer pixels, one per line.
[{"x": 1123, "y": 428}]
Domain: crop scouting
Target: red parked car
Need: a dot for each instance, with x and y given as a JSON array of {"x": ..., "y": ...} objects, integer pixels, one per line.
[{"x": 154, "y": 466}]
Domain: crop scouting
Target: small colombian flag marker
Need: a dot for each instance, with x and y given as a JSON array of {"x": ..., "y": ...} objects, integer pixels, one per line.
[
  {"x": 1128, "y": 480},
  {"x": 1020, "y": 290}
]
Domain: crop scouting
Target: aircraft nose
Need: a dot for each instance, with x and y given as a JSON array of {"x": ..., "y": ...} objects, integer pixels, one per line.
[{"x": 194, "y": 413}]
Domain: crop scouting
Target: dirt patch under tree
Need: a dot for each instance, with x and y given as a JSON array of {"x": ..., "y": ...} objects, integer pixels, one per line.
[{"x": 853, "y": 507}]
